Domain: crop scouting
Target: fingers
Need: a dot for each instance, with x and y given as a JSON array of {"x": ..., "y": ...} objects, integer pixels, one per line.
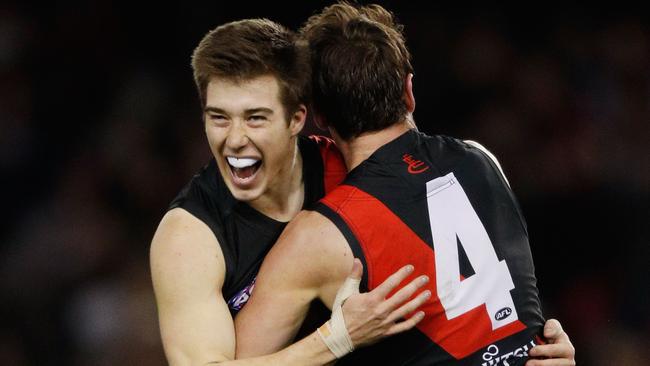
[
  {"x": 404, "y": 294},
  {"x": 392, "y": 282},
  {"x": 382, "y": 313},
  {"x": 357, "y": 270},
  {"x": 554, "y": 362},
  {"x": 554, "y": 333},
  {"x": 406, "y": 324},
  {"x": 409, "y": 307},
  {"x": 560, "y": 350},
  {"x": 552, "y": 329}
]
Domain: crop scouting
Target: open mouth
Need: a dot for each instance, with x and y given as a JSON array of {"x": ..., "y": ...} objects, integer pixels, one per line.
[{"x": 243, "y": 168}]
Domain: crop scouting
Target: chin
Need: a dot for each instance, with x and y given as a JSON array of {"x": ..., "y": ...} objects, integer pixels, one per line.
[{"x": 247, "y": 195}]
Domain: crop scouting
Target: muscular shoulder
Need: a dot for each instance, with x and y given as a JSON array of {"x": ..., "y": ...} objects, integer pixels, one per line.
[
  {"x": 313, "y": 246},
  {"x": 184, "y": 252},
  {"x": 308, "y": 229}
]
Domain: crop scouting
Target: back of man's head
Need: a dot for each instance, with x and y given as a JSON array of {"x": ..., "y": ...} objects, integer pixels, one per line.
[
  {"x": 359, "y": 67},
  {"x": 245, "y": 49}
]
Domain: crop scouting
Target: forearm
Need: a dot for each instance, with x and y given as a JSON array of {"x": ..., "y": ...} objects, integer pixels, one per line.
[{"x": 311, "y": 350}]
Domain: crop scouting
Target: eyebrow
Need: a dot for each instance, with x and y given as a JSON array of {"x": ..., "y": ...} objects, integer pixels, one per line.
[
  {"x": 259, "y": 110},
  {"x": 247, "y": 111},
  {"x": 214, "y": 110}
]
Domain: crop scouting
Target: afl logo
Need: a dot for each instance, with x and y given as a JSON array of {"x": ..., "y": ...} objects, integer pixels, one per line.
[{"x": 503, "y": 313}]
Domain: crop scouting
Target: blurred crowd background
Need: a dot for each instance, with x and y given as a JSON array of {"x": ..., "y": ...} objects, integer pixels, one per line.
[{"x": 100, "y": 127}]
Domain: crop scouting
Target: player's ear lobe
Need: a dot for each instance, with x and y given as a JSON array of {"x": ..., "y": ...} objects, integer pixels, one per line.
[
  {"x": 298, "y": 120},
  {"x": 409, "y": 98}
]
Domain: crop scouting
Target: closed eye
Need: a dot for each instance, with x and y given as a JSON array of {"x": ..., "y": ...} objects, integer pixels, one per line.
[
  {"x": 216, "y": 116},
  {"x": 219, "y": 120},
  {"x": 257, "y": 117}
]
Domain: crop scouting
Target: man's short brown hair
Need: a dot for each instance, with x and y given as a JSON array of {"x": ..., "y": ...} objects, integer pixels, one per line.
[
  {"x": 246, "y": 49},
  {"x": 359, "y": 66}
]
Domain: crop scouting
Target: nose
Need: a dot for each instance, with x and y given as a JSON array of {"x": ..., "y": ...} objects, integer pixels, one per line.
[{"x": 237, "y": 137}]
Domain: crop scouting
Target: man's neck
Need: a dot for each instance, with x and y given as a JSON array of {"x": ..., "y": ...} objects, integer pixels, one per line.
[
  {"x": 285, "y": 195},
  {"x": 358, "y": 149}
]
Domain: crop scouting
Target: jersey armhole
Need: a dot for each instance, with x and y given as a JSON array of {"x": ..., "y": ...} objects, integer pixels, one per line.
[{"x": 354, "y": 244}]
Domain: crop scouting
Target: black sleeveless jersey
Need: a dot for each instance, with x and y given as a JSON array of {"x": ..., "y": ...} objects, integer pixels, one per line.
[
  {"x": 245, "y": 234},
  {"x": 442, "y": 205}
]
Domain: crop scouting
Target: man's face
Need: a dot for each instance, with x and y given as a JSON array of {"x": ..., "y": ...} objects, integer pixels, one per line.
[{"x": 249, "y": 135}]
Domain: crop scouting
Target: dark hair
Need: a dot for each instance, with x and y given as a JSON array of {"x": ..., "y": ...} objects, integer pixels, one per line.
[
  {"x": 250, "y": 48},
  {"x": 359, "y": 66}
]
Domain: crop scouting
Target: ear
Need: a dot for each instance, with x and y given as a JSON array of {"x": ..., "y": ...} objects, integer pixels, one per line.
[
  {"x": 298, "y": 120},
  {"x": 409, "y": 98}
]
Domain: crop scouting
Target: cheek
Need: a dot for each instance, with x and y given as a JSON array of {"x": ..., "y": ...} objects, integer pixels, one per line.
[
  {"x": 276, "y": 151},
  {"x": 215, "y": 137}
]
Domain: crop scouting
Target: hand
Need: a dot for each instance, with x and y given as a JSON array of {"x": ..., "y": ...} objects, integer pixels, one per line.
[
  {"x": 371, "y": 316},
  {"x": 558, "y": 352}
]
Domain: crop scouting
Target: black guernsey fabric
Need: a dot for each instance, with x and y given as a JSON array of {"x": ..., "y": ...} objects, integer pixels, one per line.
[
  {"x": 245, "y": 234},
  {"x": 419, "y": 199}
]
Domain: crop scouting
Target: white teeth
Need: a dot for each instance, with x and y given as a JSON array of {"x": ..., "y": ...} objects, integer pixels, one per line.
[{"x": 241, "y": 162}]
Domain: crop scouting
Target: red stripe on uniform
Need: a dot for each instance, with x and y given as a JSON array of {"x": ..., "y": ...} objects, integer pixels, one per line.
[
  {"x": 334, "y": 169},
  {"x": 388, "y": 244}
]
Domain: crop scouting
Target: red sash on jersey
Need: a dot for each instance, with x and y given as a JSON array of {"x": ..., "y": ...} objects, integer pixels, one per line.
[{"x": 386, "y": 251}]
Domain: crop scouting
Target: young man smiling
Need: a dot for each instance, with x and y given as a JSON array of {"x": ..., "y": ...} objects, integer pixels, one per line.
[{"x": 253, "y": 80}]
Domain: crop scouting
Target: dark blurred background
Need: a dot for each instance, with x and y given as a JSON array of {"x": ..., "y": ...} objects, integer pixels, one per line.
[{"x": 100, "y": 127}]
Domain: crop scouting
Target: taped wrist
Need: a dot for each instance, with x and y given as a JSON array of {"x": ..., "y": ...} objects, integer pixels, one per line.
[{"x": 334, "y": 333}]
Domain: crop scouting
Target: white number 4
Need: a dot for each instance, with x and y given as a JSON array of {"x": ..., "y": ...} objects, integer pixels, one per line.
[{"x": 451, "y": 216}]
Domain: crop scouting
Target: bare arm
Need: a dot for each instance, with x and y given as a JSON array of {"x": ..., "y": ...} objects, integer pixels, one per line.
[
  {"x": 188, "y": 270},
  {"x": 289, "y": 279},
  {"x": 311, "y": 260}
]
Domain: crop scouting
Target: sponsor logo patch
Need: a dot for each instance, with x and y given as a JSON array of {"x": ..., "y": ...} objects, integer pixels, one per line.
[{"x": 494, "y": 357}]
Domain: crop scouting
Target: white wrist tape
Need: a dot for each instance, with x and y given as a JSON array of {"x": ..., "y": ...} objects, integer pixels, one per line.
[
  {"x": 334, "y": 333},
  {"x": 347, "y": 289}
]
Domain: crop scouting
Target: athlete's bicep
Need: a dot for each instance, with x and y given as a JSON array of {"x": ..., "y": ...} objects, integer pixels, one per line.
[
  {"x": 302, "y": 265},
  {"x": 188, "y": 270}
]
